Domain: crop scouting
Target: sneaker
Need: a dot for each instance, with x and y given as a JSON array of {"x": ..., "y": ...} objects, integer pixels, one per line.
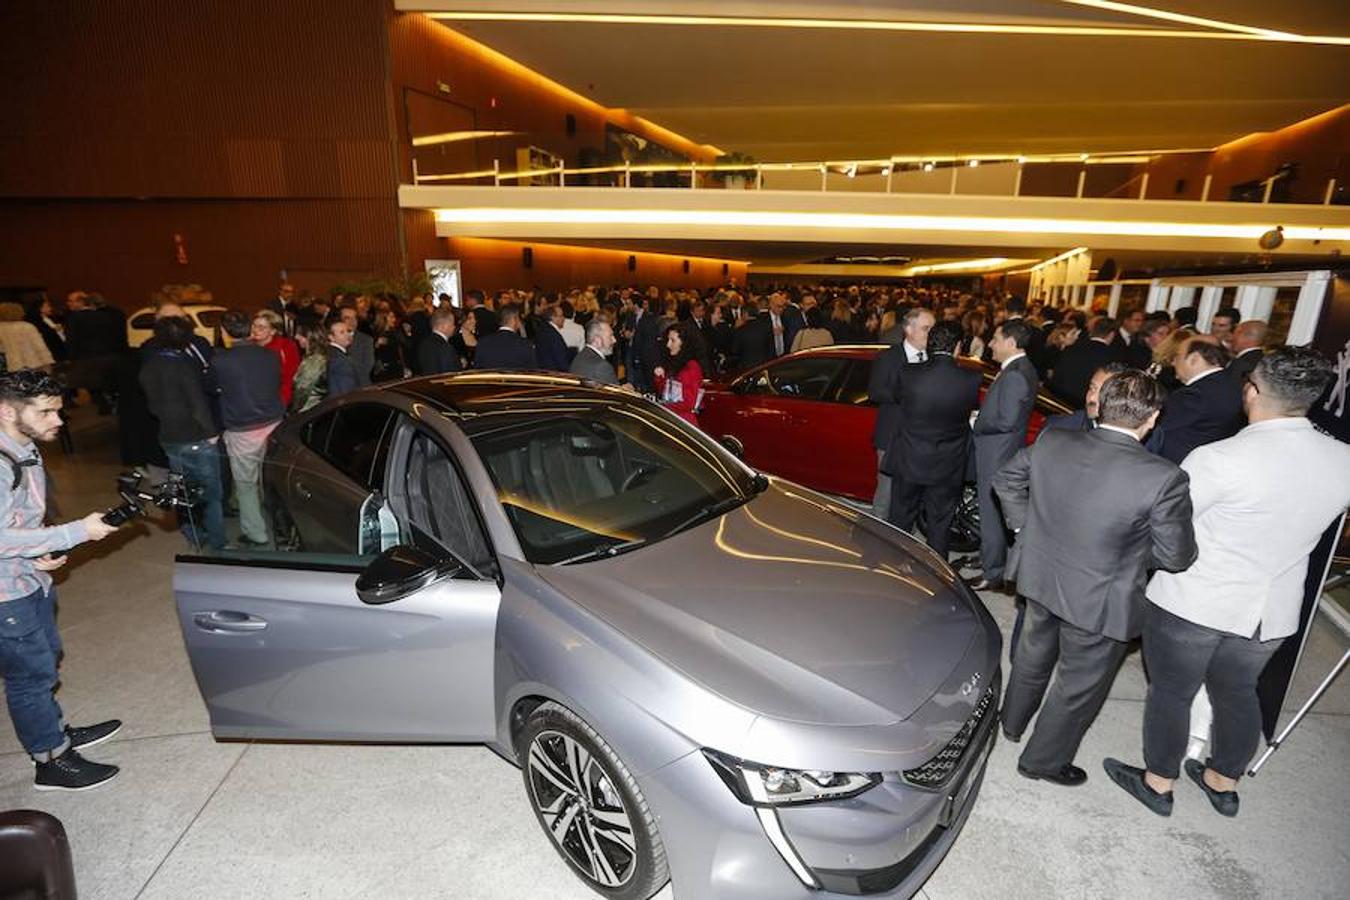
[
  {"x": 90, "y": 735},
  {"x": 72, "y": 772},
  {"x": 1130, "y": 779},
  {"x": 1225, "y": 803}
]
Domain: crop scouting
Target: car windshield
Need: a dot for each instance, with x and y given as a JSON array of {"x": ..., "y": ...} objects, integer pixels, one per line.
[{"x": 599, "y": 479}]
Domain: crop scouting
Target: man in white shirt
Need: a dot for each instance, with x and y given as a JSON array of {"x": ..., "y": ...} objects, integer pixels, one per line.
[
  {"x": 565, "y": 320},
  {"x": 883, "y": 389},
  {"x": 1262, "y": 499}
]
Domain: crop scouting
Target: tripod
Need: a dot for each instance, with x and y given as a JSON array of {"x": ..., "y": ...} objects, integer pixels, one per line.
[{"x": 1298, "y": 717}]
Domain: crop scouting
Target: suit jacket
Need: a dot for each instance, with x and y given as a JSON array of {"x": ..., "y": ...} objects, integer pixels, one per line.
[
  {"x": 362, "y": 353},
  {"x": 341, "y": 373},
  {"x": 1079, "y": 421},
  {"x": 752, "y": 343},
  {"x": 549, "y": 347},
  {"x": 1095, "y": 512},
  {"x": 1242, "y": 365},
  {"x": 1001, "y": 428},
  {"x": 645, "y": 350},
  {"x": 1134, "y": 352},
  {"x": 435, "y": 355},
  {"x": 1202, "y": 412},
  {"x": 504, "y": 349},
  {"x": 1074, "y": 370},
  {"x": 883, "y": 389},
  {"x": 590, "y": 364},
  {"x": 936, "y": 399}
]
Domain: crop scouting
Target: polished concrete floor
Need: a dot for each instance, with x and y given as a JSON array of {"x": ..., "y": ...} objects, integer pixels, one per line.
[{"x": 193, "y": 818}]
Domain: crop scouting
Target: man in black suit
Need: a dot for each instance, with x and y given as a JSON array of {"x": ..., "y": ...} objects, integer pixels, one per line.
[
  {"x": 1128, "y": 343},
  {"x": 283, "y": 304},
  {"x": 784, "y": 322},
  {"x": 549, "y": 346},
  {"x": 1208, "y": 406},
  {"x": 927, "y": 457},
  {"x": 753, "y": 337},
  {"x": 342, "y": 377},
  {"x": 505, "y": 348},
  {"x": 435, "y": 354},
  {"x": 1016, "y": 308},
  {"x": 1000, "y": 431},
  {"x": 643, "y": 349},
  {"x": 882, "y": 389},
  {"x": 1073, "y": 371},
  {"x": 1249, "y": 339},
  {"x": 362, "y": 349},
  {"x": 1094, "y": 513}
]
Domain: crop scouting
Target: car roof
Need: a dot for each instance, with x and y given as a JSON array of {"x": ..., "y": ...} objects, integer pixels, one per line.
[{"x": 468, "y": 396}]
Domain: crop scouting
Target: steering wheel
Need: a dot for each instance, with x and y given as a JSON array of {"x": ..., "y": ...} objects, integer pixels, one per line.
[{"x": 640, "y": 472}]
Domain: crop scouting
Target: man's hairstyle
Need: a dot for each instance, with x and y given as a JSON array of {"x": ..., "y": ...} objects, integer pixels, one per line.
[
  {"x": 1016, "y": 330},
  {"x": 475, "y": 295},
  {"x": 1229, "y": 313},
  {"x": 1016, "y": 306},
  {"x": 174, "y": 331},
  {"x": 508, "y": 314},
  {"x": 594, "y": 327},
  {"x": 23, "y": 385},
  {"x": 1158, "y": 315},
  {"x": 1213, "y": 354},
  {"x": 944, "y": 337},
  {"x": 237, "y": 323},
  {"x": 442, "y": 314},
  {"x": 913, "y": 315},
  {"x": 1103, "y": 327},
  {"x": 1152, "y": 325},
  {"x": 568, "y": 310},
  {"x": 813, "y": 317},
  {"x": 1186, "y": 316},
  {"x": 333, "y": 318},
  {"x": 1294, "y": 377},
  {"x": 1114, "y": 367},
  {"x": 1127, "y": 400}
]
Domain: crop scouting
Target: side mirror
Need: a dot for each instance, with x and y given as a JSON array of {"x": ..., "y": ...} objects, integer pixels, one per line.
[
  {"x": 399, "y": 572},
  {"x": 733, "y": 445}
]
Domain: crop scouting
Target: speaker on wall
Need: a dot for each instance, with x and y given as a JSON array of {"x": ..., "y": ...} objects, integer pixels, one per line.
[
  {"x": 686, "y": 267},
  {"x": 527, "y": 257},
  {"x": 726, "y": 269},
  {"x": 632, "y": 263},
  {"x": 571, "y": 125}
]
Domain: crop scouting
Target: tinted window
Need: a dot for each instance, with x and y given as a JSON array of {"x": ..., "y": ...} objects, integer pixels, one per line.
[
  {"x": 209, "y": 317},
  {"x": 804, "y": 379},
  {"x": 349, "y": 438},
  {"x": 603, "y": 478},
  {"x": 144, "y": 320},
  {"x": 853, "y": 390},
  {"x": 440, "y": 508}
]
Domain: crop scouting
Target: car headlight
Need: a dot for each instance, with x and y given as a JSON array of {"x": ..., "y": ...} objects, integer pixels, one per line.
[{"x": 760, "y": 785}]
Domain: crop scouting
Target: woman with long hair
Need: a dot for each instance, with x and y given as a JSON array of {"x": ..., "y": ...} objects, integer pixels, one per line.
[
  {"x": 390, "y": 346},
  {"x": 311, "y": 378},
  {"x": 814, "y": 334},
  {"x": 679, "y": 377},
  {"x": 974, "y": 339}
]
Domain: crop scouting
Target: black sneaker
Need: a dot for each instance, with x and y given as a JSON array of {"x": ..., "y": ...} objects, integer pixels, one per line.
[
  {"x": 90, "y": 735},
  {"x": 1131, "y": 781},
  {"x": 72, "y": 772},
  {"x": 1225, "y": 803}
]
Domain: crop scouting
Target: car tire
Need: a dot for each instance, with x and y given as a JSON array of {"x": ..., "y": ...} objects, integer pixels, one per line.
[{"x": 589, "y": 805}]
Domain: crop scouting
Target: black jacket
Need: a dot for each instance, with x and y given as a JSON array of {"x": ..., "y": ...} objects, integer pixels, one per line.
[
  {"x": 1202, "y": 412},
  {"x": 250, "y": 386},
  {"x": 549, "y": 347},
  {"x": 936, "y": 399},
  {"x": 504, "y": 349},
  {"x": 1242, "y": 365},
  {"x": 1074, "y": 370},
  {"x": 883, "y": 389},
  {"x": 342, "y": 377},
  {"x": 1133, "y": 352},
  {"x": 1095, "y": 513},
  {"x": 752, "y": 343},
  {"x": 435, "y": 355},
  {"x": 175, "y": 393}
]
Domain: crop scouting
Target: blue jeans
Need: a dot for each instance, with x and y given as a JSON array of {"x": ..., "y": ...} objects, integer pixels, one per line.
[
  {"x": 200, "y": 464},
  {"x": 30, "y": 648}
]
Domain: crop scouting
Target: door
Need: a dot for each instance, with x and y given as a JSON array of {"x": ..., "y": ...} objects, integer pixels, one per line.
[
  {"x": 282, "y": 646},
  {"x": 782, "y": 415},
  {"x": 848, "y": 460}
]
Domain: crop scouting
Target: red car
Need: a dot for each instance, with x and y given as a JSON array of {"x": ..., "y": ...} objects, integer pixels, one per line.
[{"x": 806, "y": 416}]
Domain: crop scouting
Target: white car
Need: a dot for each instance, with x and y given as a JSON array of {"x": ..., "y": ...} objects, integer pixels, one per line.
[{"x": 205, "y": 320}]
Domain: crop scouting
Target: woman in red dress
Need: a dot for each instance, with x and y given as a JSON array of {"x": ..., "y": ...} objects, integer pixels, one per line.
[
  {"x": 266, "y": 332},
  {"x": 679, "y": 378}
]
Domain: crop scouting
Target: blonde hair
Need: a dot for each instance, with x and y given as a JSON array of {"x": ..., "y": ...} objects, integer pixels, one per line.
[{"x": 272, "y": 318}]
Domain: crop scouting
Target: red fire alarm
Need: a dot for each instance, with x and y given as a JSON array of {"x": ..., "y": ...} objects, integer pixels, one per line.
[{"x": 180, "y": 249}]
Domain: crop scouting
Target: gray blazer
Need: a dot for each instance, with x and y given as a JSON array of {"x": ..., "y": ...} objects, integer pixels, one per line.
[
  {"x": 1001, "y": 428},
  {"x": 1095, "y": 513},
  {"x": 590, "y": 364}
]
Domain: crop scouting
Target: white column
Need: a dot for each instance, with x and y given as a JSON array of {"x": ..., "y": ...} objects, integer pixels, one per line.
[
  {"x": 1113, "y": 306},
  {"x": 1182, "y": 297},
  {"x": 1308, "y": 310},
  {"x": 1157, "y": 297},
  {"x": 1209, "y": 305},
  {"x": 1255, "y": 301}
]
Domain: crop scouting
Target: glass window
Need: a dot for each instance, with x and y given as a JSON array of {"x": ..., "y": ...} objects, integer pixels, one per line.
[
  {"x": 804, "y": 379},
  {"x": 602, "y": 479},
  {"x": 209, "y": 318},
  {"x": 853, "y": 390},
  {"x": 435, "y": 503},
  {"x": 1282, "y": 315},
  {"x": 145, "y": 321},
  {"x": 349, "y": 438}
]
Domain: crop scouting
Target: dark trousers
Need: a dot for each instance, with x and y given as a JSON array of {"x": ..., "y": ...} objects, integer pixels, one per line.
[
  {"x": 1086, "y": 666},
  {"x": 938, "y": 502},
  {"x": 993, "y": 534},
  {"x": 1180, "y": 656}
]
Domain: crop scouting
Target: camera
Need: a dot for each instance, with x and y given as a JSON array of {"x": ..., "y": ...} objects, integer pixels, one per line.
[{"x": 173, "y": 492}]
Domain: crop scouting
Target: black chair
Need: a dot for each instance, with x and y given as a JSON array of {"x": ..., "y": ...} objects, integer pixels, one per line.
[{"x": 34, "y": 857}]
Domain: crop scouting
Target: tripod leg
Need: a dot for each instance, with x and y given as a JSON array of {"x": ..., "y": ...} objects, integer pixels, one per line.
[{"x": 1298, "y": 716}]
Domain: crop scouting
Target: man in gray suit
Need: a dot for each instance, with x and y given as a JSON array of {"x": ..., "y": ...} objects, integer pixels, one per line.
[
  {"x": 1000, "y": 431},
  {"x": 1094, "y": 513},
  {"x": 592, "y": 361}
]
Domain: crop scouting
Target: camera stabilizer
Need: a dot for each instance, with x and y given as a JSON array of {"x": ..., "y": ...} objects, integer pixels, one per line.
[{"x": 173, "y": 492}]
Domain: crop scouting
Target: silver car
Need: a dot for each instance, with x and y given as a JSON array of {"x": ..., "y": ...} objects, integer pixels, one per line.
[{"x": 705, "y": 675}]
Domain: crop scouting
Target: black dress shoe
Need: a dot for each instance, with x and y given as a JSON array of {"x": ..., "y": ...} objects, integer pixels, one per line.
[
  {"x": 1131, "y": 781},
  {"x": 1015, "y": 738},
  {"x": 1225, "y": 803},
  {"x": 998, "y": 586},
  {"x": 1068, "y": 776}
]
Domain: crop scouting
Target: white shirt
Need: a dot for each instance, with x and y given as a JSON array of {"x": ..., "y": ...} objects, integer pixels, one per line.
[
  {"x": 1262, "y": 499},
  {"x": 913, "y": 354},
  {"x": 1116, "y": 428},
  {"x": 1010, "y": 360},
  {"x": 1202, "y": 375},
  {"x": 573, "y": 335}
]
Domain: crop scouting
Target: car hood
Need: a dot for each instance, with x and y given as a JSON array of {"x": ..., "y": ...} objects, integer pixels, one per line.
[{"x": 791, "y": 606}]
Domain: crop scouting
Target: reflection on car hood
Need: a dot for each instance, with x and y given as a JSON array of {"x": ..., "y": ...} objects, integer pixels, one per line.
[{"x": 791, "y": 606}]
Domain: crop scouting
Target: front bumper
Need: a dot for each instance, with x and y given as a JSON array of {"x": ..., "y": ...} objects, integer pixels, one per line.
[{"x": 884, "y": 843}]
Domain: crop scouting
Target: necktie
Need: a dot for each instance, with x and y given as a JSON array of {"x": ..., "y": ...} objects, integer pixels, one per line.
[{"x": 923, "y": 357}]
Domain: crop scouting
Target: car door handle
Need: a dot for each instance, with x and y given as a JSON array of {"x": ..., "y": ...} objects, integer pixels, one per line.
[
  {"x": 227, "y": 621},
  {"x": 303, "y": 491}
]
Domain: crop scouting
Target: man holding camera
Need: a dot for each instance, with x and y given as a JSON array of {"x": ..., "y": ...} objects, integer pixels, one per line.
[{"x": 30, "y": 646}]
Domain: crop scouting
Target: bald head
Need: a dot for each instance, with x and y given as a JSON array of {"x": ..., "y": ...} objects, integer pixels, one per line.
[{"x": 1249, "y": 335}]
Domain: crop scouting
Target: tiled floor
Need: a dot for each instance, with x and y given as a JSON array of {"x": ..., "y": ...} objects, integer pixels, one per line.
[{"x": 193, "y": 818}]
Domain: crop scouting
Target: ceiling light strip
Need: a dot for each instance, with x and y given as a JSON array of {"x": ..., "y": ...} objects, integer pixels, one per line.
[
  {"x": 874, "y": 221},
  {"x": 880, "y": 25},
  {"x": 1149, "y": 12}
]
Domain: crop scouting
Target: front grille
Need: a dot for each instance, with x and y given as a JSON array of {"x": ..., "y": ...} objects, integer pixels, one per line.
[{"x": 935, "y": 773}]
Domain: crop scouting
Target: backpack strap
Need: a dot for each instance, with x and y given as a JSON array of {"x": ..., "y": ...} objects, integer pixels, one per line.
[{"x": 18, "y": 465}]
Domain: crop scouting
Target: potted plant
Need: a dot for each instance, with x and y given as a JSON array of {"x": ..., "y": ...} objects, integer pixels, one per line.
[{"x": 735, "y": 179}]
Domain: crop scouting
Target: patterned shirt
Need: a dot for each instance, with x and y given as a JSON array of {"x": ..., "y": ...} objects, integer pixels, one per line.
[{"x": 23, "y": 537}]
